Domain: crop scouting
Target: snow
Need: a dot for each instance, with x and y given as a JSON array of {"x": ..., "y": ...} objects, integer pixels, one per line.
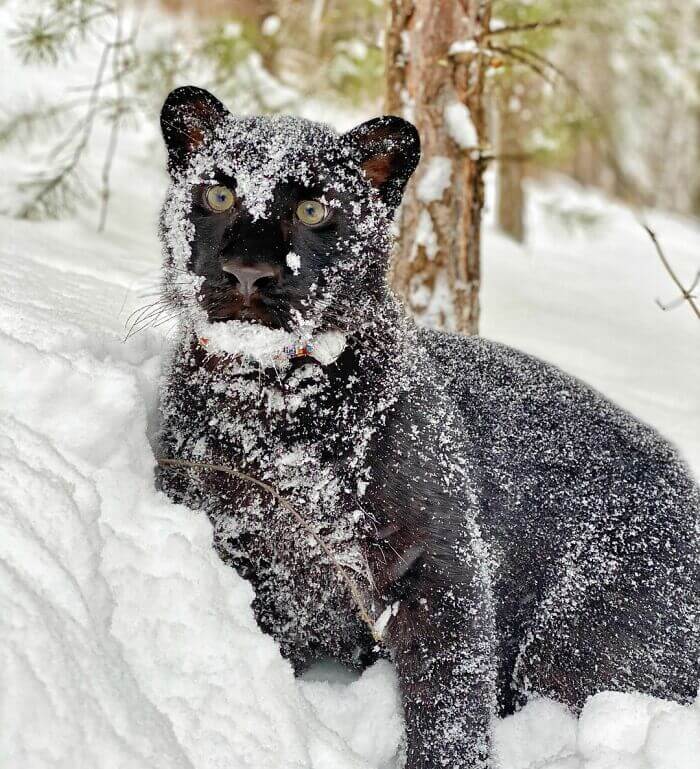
[
  {"x": 328, "y": 346},
  {"x": 460, "y": 126},
  {"x": 614, "y": 731},
  {"x": 264, "y": 345},
  {"x": 271, "y": 25},
  {"x": 293, "y": 262},
  {"x": 425, "y": 234},
  {"x": 463, "y": 46},
  {"x": 435, "y": 179},
  {"x": 124, "y": 640}
]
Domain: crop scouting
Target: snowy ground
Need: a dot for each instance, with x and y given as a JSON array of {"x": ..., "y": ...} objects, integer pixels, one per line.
[{"x": 124, "y": 642}]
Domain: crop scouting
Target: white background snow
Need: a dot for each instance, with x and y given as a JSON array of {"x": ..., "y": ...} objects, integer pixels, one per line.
[{"x": 124, "y": 642}]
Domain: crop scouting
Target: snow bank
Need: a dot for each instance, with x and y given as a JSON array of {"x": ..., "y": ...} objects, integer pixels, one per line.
[{"x": 614, "y": 731}]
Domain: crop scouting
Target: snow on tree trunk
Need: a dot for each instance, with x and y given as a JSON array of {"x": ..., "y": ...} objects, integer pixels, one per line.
[{"x": 435, "y": 78}]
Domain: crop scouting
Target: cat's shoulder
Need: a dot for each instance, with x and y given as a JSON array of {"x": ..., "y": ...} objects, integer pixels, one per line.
[{"x": 502, "y": 390}]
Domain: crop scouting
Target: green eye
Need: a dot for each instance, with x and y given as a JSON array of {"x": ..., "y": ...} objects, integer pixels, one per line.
[
  {"x": 311, "y": 212},
  {"x": 219, "y": 198}
]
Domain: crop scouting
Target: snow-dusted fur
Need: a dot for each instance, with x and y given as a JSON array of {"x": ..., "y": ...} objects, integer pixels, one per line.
[{"x": 510, "y": 530}]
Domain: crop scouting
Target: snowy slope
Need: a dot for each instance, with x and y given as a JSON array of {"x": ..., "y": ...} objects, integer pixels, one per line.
[{"x": 124, "y": 642}]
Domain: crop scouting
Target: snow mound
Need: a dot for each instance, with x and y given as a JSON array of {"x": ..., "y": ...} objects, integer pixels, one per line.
[{"x": 614, "y": 731}]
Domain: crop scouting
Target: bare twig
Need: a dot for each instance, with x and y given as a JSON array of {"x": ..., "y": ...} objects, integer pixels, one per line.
[
  {"x": 116, "y": 122},
  {"x": 507, "y": 157},
  {"x": 686, "y": 293},
  {"x": 534, "y": 26},
  {"x": 342, "y": 573}
]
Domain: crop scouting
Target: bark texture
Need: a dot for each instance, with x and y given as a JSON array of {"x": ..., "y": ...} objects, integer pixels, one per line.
[{"x": 434, "y": 63}]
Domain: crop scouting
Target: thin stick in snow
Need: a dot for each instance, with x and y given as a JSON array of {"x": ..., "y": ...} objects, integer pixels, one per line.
[
  {"x": 686, "y": 293},
  {"x": 342, "y": 573}
]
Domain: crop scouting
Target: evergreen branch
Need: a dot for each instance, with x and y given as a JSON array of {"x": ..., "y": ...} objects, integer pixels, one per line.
[
  {"x": 31, "y": 208},
  {"x": 42, "y": 39},
  {"x": 115, "y": 126},
  {"x": 50, "y": 196},
  {"x": 27, "y": 122}
]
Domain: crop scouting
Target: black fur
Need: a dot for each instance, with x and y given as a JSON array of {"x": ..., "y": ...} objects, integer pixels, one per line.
[{"x": 516, "y": 531}]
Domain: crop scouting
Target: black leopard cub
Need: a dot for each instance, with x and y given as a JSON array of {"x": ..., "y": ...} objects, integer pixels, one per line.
[{"x": 506, "y": 529}]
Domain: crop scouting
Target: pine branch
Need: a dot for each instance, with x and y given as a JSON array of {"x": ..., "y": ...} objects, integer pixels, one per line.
[
  {"x": 47, "y": 197},
  {"x": 117, "y": 50},
  {"x": 49, "y": 187},
  {"x": 31, "y": 121}
]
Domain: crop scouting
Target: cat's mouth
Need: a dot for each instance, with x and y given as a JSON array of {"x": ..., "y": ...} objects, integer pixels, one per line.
[
  {"x": 252, "y": 314},
  {"x": 225, "y": 304}
]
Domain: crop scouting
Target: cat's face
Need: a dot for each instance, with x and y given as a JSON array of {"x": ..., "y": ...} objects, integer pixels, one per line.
[{"x": 278, "y": 221}]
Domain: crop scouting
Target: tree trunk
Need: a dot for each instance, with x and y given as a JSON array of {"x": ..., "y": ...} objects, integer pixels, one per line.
[
  {"x": 510, "y": 172},
  {"x": 435, "y": 78}
]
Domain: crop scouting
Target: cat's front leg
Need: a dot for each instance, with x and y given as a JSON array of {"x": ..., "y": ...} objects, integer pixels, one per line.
[{"x": 441, "y": 638}]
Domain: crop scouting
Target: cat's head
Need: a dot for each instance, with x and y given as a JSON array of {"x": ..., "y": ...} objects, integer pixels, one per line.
[{"x": 278, "y": 220}]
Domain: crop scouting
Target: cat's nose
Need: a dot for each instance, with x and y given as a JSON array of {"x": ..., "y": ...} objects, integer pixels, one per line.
[{"x": 252, "y": 277}]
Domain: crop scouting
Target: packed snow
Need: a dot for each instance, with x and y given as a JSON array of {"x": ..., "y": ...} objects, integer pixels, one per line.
[
  {"x": 125, "y": 642},
  {"x": 434, "y": 179},
  {"x": 460, "y": 125}
]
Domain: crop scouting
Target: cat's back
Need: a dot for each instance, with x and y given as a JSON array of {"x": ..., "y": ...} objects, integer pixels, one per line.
[
  {"x": 550, "y": 449},
  {"x": 509, "y": 397}
]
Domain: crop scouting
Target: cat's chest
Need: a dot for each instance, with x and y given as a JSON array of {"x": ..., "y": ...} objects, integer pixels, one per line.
[
  {"x": 276, "y": 429},
  {"x": 291, "y": 502},
  {"x": 294, "y": 476}
]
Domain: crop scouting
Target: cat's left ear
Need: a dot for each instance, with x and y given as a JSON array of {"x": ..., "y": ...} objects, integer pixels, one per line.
[
  {"x": 389, "y": 151},
  {"x": 188, "y": 119}
]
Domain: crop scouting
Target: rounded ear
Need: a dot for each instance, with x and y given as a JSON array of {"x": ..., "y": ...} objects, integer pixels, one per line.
[
  {"x": 188, "y": 118},
  {"x": 389, "y": 151}
]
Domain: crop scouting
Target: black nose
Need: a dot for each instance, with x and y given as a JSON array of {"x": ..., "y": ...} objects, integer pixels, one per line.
[{"x": 252, "y": 277}]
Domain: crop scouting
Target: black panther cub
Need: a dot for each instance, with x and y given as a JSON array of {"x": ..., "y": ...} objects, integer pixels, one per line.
[{"x": 509, "y": 530}]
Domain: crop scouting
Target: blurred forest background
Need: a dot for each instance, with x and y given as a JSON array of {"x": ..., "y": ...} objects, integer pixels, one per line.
[{"x": 604, "y": 91}]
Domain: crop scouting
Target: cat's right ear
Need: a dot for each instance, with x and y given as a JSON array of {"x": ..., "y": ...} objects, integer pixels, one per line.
[
  {"x": 388, "y": 149},
  {"x": 188, "y": 119}
]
